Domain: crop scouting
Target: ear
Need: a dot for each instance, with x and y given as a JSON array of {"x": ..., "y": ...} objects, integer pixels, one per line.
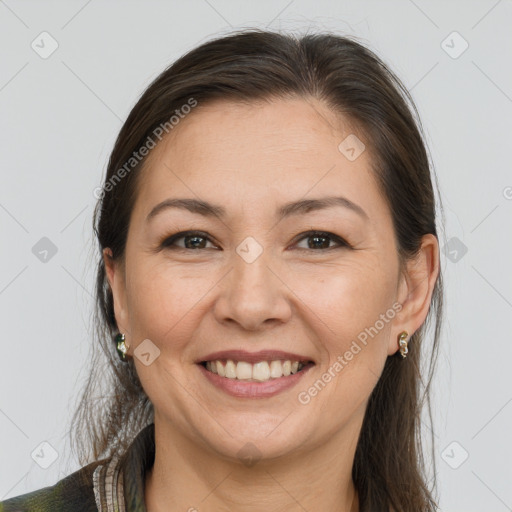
[
  {"x": 415, "y": 290},
  {"x": 116, "y": 279}
]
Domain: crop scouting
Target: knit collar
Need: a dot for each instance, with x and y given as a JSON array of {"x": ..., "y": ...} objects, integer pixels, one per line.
[{"x": 122, "y": 480}]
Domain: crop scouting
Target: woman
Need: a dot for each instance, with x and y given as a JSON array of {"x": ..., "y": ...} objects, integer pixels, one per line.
[{"x": 268, "y": 262}]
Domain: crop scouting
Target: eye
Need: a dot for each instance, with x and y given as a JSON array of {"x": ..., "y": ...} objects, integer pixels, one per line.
[
  {"x": 193, "y": 240},
  {"x": 320, "y": 240}
]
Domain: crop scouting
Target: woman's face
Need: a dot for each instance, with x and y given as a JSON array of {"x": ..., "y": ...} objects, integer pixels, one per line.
[{"x": 253, "y": 280}]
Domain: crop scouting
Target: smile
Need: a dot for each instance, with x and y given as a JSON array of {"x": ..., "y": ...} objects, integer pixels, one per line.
[
  {"x": 263, "y": 379},
  {"x": 258, "y": 372}
]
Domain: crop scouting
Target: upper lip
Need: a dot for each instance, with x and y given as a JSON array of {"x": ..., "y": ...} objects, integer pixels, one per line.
[{"x": 254, "y": 357}]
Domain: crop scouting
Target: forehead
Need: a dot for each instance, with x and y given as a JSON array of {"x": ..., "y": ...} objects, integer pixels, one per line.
[{"x": 263, "y": 154}]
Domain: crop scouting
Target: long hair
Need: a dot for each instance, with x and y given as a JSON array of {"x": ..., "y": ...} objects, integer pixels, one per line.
[{"x": 389, "y": 469}]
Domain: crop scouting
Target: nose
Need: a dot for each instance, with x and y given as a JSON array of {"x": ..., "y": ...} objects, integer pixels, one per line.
[{"x": 253, "y": 295}]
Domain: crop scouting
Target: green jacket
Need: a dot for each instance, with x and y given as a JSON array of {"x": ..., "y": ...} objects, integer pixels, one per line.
[{"x": 109, "y": 485}]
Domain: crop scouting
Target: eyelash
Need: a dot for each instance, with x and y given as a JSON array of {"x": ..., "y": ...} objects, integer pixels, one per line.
[{"x": 169, "y": 241}]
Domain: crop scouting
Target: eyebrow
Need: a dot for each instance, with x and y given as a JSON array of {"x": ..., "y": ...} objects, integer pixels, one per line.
[{"x": 300, "y": 207}]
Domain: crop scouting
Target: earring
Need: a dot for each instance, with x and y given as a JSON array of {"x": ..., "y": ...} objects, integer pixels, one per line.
[
  {"x": 121, "y": 347},
  {"x": 403, "y": 344}
]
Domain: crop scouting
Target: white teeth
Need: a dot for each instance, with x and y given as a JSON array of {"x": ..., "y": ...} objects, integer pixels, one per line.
[
  {"x": 220, "y": 369},
  {"x": 230, "y": 369},
  {"x": 243, "y": 370},
  {"x": 276, "y": 369},
  {"x": 261, "y": 371}
]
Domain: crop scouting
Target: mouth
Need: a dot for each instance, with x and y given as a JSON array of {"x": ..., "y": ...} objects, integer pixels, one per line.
[
  {"x": 249, "y": 375},
  {"x": 257, "y": 380},
  {"x": 261, "y": 371}
]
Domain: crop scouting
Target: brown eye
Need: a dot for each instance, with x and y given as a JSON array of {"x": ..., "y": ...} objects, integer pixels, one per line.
[
  {"x": 320, "y": 240},
  {"x": 193, "y": 240}
]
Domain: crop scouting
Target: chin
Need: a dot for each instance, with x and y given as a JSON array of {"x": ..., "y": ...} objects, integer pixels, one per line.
[{"x": 256, "y": 437}]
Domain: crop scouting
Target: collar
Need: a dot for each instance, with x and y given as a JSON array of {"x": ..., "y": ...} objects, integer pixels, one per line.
[{"x": 119, "y": 482}]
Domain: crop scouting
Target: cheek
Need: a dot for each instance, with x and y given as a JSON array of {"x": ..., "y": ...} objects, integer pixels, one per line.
[
  {"x": 345, "y": 316},
  {"x": 351, "y": 316},
  {"x": 348, "y": 297},
  {"x": 163, "y": 303}
]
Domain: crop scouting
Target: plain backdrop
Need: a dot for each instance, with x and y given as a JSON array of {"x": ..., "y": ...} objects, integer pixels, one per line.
[{"x": 60, "y": 113}]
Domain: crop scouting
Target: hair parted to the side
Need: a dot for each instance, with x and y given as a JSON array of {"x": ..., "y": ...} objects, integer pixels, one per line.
[{"x": 389, "y": 469}]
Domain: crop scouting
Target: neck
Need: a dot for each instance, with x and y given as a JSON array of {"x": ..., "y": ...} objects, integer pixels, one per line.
[{"x": 185, "y": 477}]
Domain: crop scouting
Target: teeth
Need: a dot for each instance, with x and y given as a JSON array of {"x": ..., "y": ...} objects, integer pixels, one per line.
[
  {"x": 230, "y": 369},
  {"x": 220, "y": 368},
  {"x": 243, "y": 370},
  {"x": 261, "y": 372},
  {"x": 276, "y": 369}
]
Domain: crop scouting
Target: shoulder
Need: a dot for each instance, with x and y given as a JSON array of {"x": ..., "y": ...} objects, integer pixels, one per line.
[{"x": 72, "y": 493}]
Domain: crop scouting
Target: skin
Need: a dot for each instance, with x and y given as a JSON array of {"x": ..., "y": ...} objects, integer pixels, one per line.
[{"x": 251, "y": 159}]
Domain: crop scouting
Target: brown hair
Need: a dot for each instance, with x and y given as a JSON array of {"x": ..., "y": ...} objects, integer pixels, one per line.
[{"x": 389, "y": 470}]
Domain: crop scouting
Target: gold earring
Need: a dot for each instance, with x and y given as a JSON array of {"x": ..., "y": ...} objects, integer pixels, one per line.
[
  {"x": 122, "y": 349},
  {"x": 402, "y": 342}
]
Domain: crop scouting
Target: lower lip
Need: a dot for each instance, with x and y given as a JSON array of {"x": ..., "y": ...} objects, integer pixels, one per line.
[{"x": 245, "y": 389}]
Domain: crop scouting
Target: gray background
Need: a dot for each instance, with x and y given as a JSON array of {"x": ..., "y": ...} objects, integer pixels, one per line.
[{"x": 61, "y": 114}]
